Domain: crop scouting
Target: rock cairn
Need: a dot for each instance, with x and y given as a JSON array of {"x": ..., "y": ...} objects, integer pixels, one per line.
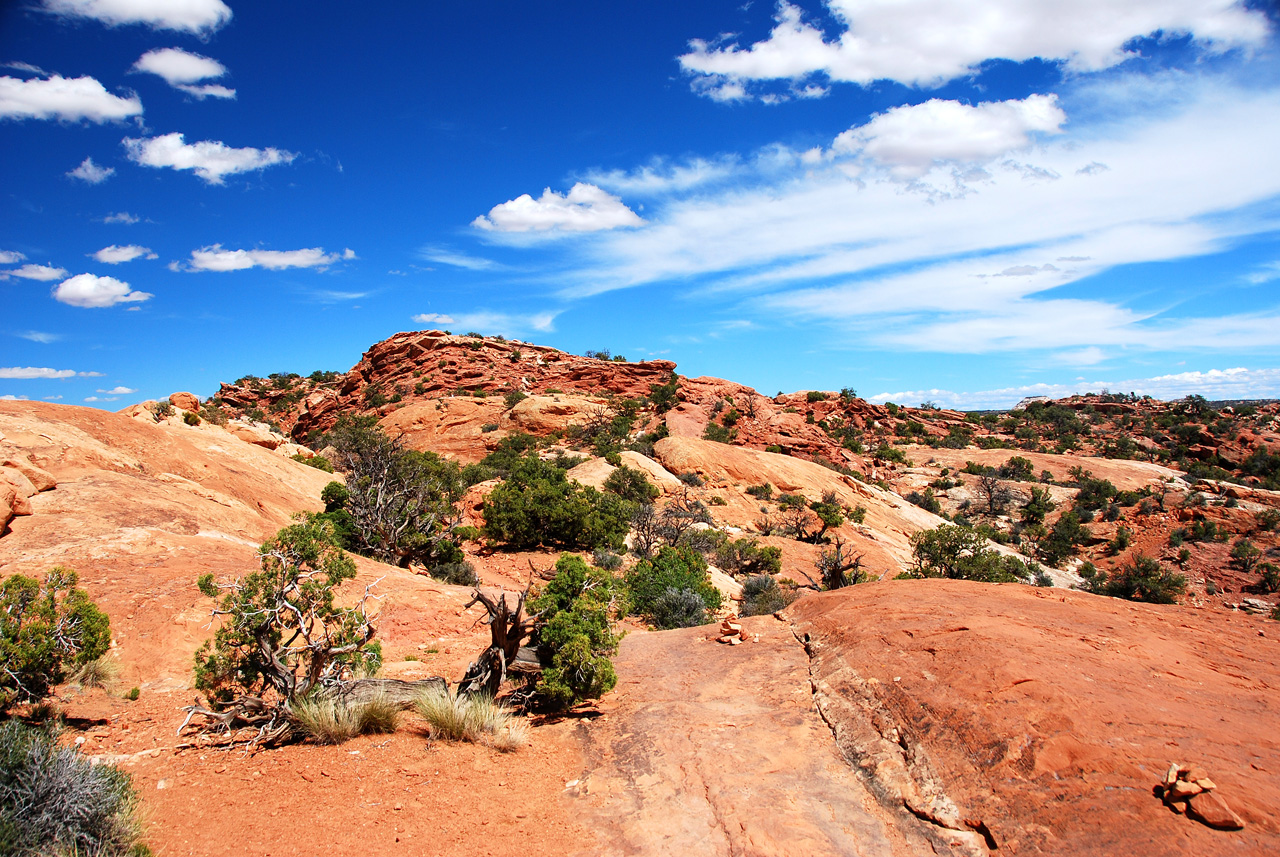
[{"x": 1188, "y": 789}]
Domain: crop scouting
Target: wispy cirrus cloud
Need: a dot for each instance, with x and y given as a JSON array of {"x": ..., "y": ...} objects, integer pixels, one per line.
[
  {"x": 29, "y": 373},
  {"x": 1233, "y": 383},
  {"x": 445, "y": 256},
  {"x": 215, "y": 258},
  {"x": 485, "y": 321},
  {"x": 211, "y": 160},
  {"x": 39, "y": 336}
]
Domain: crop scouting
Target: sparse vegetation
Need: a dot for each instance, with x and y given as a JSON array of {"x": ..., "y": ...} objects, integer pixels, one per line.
[
  {"x": 54, "y": 801},
  {"x": 46, "y": 626},
  {"x": 576, "y": 634},
  {"x": 537, "y": 505},
  {"x": 664, "y": 589},
  {"x": 1140, "y": 579},
  {"x": 477, "y": 719}
]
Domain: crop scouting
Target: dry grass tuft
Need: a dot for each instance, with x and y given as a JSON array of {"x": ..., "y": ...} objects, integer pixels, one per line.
[
  {"x": 99, "y": 672},
  {"x": 330, "y": 722},
  {"x": 472, "y": 718}
]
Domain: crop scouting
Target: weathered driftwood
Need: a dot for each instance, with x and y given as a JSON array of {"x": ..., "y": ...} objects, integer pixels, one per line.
[
  {"x": 508, "y": 629},
  {"x": 401, "y": 693}
]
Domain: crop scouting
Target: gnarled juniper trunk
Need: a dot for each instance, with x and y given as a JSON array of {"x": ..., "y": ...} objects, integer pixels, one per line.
[{"x": 508, "y": 628}]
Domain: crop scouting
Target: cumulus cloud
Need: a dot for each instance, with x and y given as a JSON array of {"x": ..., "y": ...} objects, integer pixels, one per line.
[
  {"x": 93, "y": 292},
  {"x": 912, "y": 138},
  {"x": 122, "y": 217},
  {"x": 119, "y": 391},
  {"x": 1234, "y": 383},
  {"x": 928, "y": 42},
  {"x": 507, "y": 324},
  {"x": 67, "y": 99},
  {"x": 27, "y": 373},
  {"x": 585, "y": 208},
  {"x": 42, "y": 273},
  {"x": 211, "y": 160},
  {"x": 10, "y": 397},
  {"x": 215, "y": 258},
  {"x": 10, "y": 257},
  {"x": 115, "y": 254},
  {"x": 92, "y": 173},
  {"x": 183, "y": 70},
  {"x": 200, "y": 17}
]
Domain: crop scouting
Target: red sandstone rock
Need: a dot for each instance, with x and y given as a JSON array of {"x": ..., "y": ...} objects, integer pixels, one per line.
[
  {"x": 1210, "y": 809},
  {"x": 186, "y": 401}
]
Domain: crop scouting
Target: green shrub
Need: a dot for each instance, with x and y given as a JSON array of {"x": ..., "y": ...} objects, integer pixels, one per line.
[
  {"x": 656, "y": 587},
  {"x": 815, "y": 396},
  {"x": 762, "y": 595},
  {"x": 606, "y": 559},
  {"x": 576, "y": 635},
  {"x": 718, "y": 433},
  {"x": 537, "y": 505},
  {"x": 133, "y": 694},
  {"x": 45, "y": 626},
  {"x": 926, "y": 501},
  {"x": 1064, "y": 540},
  {"x": 1017, "y": 468},
  {"x": 291, "y": 598},
  {"x": 319, "y": 462},
  {"x": 746, "y": 556},
  {"x": 1141, "y": 579},
  {"x": 960, "y": 553},
  {"x": 1245, "y": 555},
  {"x": 54, "y": 801},
  {"x": 760, "y": 492},
  {"x": 456, "y": 573},
  {"x": 190, "y": 419},
  {"x": 162, "y": 409},
  {"x": 631, "y": 484},
  {"x": 859, "y": 514},
  {"x": 664, "y": 396}
]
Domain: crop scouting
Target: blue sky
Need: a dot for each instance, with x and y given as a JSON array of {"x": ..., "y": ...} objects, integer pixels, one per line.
[{"x": 966, "y": 202}]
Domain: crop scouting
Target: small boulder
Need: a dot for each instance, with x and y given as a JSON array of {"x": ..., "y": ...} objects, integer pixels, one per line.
[
  {"x": 1211, "y": 810},
  {"x": 186, "y": 401}
]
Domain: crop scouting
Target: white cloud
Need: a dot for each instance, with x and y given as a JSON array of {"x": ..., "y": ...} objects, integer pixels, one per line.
[
  {"x": 183, "y": 70},
  {"x": 210, "y": 159},
  {"x": 122, "y": 217},
  {"x": 912, "y": 138},
  {"x": 200, "y": 17},
  {"x": 1264, "y": 274},
  {"x": 10, "y": 397},
  {"x": 43, "y": 273},
  {"x": 444, "y": 256},
  {"x": 93, "y": 292},
  {"x": 663, "y": 177},
  {"x": 39, "y": 336},
  {"x": 28, "y": 373},
  {"x": 586, "y": 208},
  {"x": 10, "y": 257},
  {"x": 115, "y": 254},
  {"x": 927, "y": 42},
  {"x": 915, "y": 265},
  {"x": 214, "y": 258},
  {"x": 119, "y": 391},
  {"x": 101, "y": 398},
  {"x": 68, "y": 99},
  {"x": 1217, "y": 384},
  {"x": 507, "y": 324},
  {"x": 432, "y": 318},
  {"x": 92, "y": 173}
]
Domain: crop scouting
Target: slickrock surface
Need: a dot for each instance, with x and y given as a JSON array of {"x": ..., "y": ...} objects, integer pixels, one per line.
[
  {"x": 716, "y": 750},
  {"x": 1051, "y": 716}
]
